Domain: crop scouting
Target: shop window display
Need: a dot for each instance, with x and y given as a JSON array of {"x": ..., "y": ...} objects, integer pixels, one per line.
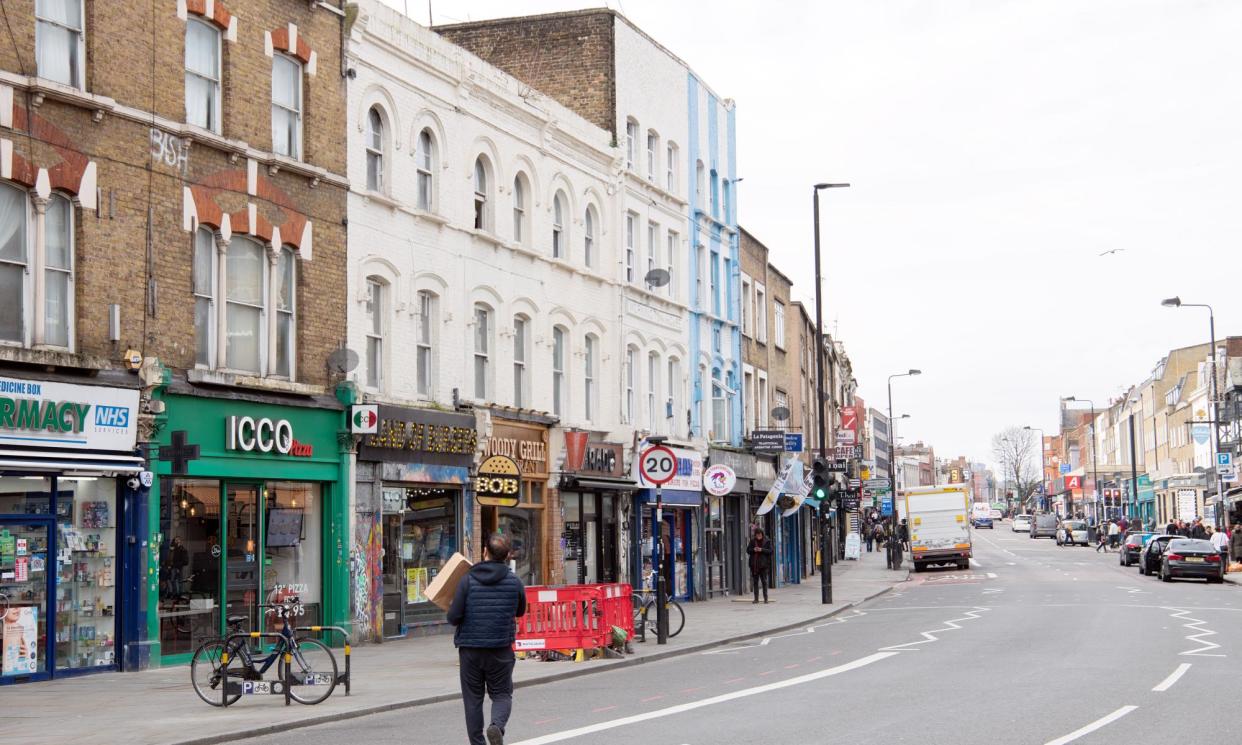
[
  {"x": 24, "y": 565},
  {"x": 189, "y": 609},
  {"x": 294, "y": 524},
  {"x": 86, "y": 573},
  {"x": 428, "y": 538}
]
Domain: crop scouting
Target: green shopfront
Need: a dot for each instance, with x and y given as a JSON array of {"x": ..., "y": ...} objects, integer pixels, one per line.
[{"x": 250, "y": 506}]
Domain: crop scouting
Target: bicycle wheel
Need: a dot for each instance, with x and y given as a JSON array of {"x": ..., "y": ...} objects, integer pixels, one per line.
[
  {"x": 676, "y": 618},
  {"x": 637, "y": 607},
  {"x": 313, "y": 671},
  {"x": 205, "y": 671}
]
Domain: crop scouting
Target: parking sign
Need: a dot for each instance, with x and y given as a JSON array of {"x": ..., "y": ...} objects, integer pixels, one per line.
[{"x": 1224, "y": 463}]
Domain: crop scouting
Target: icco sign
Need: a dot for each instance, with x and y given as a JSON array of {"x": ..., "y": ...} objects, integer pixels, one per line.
[{"x": 264, "y": 435}]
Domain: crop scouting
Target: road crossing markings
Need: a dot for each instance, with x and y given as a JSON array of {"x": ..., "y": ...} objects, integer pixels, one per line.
[
  {"x": 1198, "y": 636},
  {"x": 692, "y": 705},
  {"x": 1175, "y": 676},
  {"x": 1097, "y": 724},
  {"x": 930, "y": 636},
  {"x": 855, "y": 613}
]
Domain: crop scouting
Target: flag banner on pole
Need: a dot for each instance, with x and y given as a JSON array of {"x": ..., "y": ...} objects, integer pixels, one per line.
[
  {"x": 778, "y": 486},
  {"x": 796, "y": 486}
]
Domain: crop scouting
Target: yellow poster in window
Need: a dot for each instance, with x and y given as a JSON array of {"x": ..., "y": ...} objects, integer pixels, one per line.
[{"x": 415, "y": 583}]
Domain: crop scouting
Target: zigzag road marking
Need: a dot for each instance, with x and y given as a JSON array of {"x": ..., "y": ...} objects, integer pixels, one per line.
[
  {"x": 930, "y": 636},
  {"x": 808, "y": 630},
  {"x": 1198, "y": 637}
]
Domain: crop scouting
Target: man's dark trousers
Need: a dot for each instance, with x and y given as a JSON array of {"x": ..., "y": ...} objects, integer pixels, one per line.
[{"x": 492, "y": 669}]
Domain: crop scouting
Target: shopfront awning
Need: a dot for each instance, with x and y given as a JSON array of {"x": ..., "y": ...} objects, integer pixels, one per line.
[
  {"x": 673, "y": 497},
  {"x": 570, "y": 483},
  {"x": 60, "y": 460}
]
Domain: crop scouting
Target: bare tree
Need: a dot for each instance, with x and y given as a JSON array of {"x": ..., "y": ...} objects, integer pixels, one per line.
[{"x": 1015, "y": 452}]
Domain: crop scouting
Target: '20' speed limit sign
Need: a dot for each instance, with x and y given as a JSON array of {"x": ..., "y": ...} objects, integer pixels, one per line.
[{"x": 658, "y": 465}]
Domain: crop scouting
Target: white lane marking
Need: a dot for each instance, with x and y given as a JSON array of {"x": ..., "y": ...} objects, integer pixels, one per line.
[
  {"x": 1131, "y": 590},
  {"x": 768, "y": 639},
  {"x": 692, "y": 705},
  {"x": 1198, "y": 636},
  {"x": 1175, "y": 676},
  {"x": 1101, "y": 722},
  {"x": 992, "y": 590},
  {"x": 1012, "y": 563},
  {"x": 991, "y": 575},
  {"x": 930, "y": 636},
  {"x": 975, "y": 563}
]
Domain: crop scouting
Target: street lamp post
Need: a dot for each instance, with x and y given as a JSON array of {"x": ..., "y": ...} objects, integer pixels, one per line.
[
  {"x": 825, "y": 558},
  {"x": 893, "y": 486},
  {"x": 1043, "y": 469},
  {"x": 1095, "y": 474},
  {"x": 1176, "y": 302}
]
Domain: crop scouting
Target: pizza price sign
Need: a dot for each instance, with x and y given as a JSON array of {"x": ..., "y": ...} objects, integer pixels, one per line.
[{"x": 658, "y": 465}]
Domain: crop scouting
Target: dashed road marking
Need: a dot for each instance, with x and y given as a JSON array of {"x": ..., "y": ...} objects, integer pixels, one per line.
[
  {"x": 1097, "y": 724},
  {"x": 1175, "y": 676}
]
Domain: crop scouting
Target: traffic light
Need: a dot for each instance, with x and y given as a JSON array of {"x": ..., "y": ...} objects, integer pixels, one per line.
[{"x": 819, "y": 479}]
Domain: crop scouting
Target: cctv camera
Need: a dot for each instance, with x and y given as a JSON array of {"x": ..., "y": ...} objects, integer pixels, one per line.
[{"x": 133, "y": 483}]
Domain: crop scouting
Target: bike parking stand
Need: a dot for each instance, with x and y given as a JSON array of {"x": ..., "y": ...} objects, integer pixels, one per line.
[
  {"x": 341, "y": 678},
  {"x": 284, "y": 685}
]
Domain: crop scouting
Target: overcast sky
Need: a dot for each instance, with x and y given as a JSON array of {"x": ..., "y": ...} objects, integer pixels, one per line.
[{"x": 995, "y": 148}]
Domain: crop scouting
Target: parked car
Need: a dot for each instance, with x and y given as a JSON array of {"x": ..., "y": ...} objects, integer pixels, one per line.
[
  {"x": 1133, "y": 546},
  {"x": 1071, "y": 532},
  {"x": 1022, "y": 523},
  {"x": 1044, "y": 526},
  {"x": 1149, "y": 557},
  {"x": 1191, "y": 557},
  {"x": 982, "y": 521}
]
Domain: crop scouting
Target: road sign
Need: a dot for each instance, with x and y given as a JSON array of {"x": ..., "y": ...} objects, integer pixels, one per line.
[
  {"x": 793, "y": 442},
  {"x": 879, "y": 483},
  {"x": 658, "y": 465},
  {"x": 855, "y": 483},
  {"x": 1065, "y": 468},
  {"x": 846, "y": 452},
  {"x": 1224, "y": 462},
  {"x": 767, "y": 441}
]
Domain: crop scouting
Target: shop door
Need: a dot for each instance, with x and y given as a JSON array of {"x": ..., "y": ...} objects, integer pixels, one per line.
[
  {"x": 27, "y": 567},
  {"x": 714, "y": 538},
  {"x": 190, "y": 555},
  {"x": 242, "y": 573},
  {"x": 608, "y": 539},
  {"x": 733, "y": 554}
]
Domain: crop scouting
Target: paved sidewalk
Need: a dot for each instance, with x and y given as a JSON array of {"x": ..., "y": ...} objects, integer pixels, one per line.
[{"x": 158, "y": 707}]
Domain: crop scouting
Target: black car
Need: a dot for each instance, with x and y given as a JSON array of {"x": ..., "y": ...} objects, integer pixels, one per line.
[
  {"x": 1133, "y": 547},
  {"x": 1149, "y": 557},
  {"x": 1191, "y": 557}
]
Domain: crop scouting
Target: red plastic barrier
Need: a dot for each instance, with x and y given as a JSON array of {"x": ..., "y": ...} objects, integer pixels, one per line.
[{"x": 573, "y": 617}]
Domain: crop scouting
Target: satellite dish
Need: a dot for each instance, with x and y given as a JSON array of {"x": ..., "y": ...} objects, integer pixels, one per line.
[
  {"x": 657, "y": 277},
  {"x": 780, "y": 413},
  {"x": 342, "y": 360}
]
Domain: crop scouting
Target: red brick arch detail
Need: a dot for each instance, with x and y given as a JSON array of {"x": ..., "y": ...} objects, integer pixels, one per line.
[
  {"x": 65, "y": 176},
  {"x": 220, "y": 15},
  {"x": 234, "y": 181},
  {"x": 280, "y": 42}
]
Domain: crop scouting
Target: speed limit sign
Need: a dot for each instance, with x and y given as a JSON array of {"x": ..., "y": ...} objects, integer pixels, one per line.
[{"x": 658, "y": 465}]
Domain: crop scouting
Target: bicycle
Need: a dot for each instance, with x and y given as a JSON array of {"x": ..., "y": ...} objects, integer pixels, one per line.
[
  {"x": 313, "y": 665},
  {"x": 643, "y": 603}
]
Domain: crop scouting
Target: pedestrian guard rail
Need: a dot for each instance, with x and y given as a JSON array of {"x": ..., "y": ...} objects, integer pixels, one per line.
[{"x": 574, "y": 617}]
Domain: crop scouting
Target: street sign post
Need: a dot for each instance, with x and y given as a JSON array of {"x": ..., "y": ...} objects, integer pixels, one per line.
[
  {"x": 1224, "y": 463},
  {"x": 658, "y": 465},
  {"x": 793, "y": 442}
]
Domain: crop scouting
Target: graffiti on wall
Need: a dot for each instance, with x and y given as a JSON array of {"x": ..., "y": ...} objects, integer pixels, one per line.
[{"x": 365, "y": 569}]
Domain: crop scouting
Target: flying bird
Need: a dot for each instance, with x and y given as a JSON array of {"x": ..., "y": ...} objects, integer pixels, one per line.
[{"x": 1112, "y": 251}]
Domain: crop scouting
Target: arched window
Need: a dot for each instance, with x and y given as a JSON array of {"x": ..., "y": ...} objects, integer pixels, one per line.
[
  {"x": 480, "y": 194},
  {"x": 482, "y": 351},
  {"x": 673, "y": 393},
  {"x": 653, "y": 383},
  {"x": 631, "y": 143},
  {"x": 521, "y": 375},
  {"x": 13, "y": 263},
  {"x": 715, "y": 189},
  {"x": 559, "y": 210},
  {"x": 519, "y": 209},
  {"x": 375, "y": 150},
  {"x": 558, "y": 371},
  {"x": 58, "y": 271},
  {"x": 244, "y": 310},
  {"x": 588, "y": 236},
  {"x": 670, "y": 168},
  {"x": 590, "y": 352},
  {"x": 631, "y": 383},
  {"x": 376, "y": 323},
  {"x": 424, "y": 343},
  {"x": 204, "y": 281},
  {"x": 424, "y": 159},
  {"x": 719, "y": 414},
  {"x": 700, "y": 184},
  {"x": 286, "y": 312},
  {"x": 653, "y": 155}
]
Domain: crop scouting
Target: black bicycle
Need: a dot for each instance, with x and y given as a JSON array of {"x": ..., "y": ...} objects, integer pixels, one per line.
[
  {"x": 313, "y": 666},
  {"x": 643, "y": 605}
]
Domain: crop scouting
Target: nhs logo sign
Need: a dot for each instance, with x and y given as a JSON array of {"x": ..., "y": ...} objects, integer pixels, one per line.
[{"x": 111, "y": 416}]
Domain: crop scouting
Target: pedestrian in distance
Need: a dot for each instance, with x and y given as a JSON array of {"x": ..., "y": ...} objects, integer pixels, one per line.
[
  {"x": 760, "y": 552},
  {"x": 869, "y": 536},
  {"x": 1235, "y": 543},
  {"x": 1197, "y": 530},
  {"x": 1220, "y": 542},
  {"x": 1171, "y": 528},
  {"x": 487, "y": 601},
  {"x": 1114, "y": 535}
]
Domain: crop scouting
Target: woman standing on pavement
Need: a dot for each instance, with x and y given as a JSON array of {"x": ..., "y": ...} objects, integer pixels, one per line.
[
  {"x": 1235, "y": 543},
  {"x": 760, "y": 552}
]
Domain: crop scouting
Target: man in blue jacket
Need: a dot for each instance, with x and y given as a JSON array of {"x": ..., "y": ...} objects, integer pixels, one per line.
[{"x": 484, "y": 607}]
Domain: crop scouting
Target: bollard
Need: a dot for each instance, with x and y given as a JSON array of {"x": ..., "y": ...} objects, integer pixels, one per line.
[
  {"x": 288, "y": 677},
  {"x": 224, "y": 680}
]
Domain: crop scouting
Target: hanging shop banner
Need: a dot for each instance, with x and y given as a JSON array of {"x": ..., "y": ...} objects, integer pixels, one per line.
[
  {"x": 420, "y": 436},
  {"x": 499, "y": 482},
  {"x": 767, "y": 441},
  {"x": 38, "y": 412},
  {"x": 719, "y": 480},
  {"x": 585, "y": 458}
]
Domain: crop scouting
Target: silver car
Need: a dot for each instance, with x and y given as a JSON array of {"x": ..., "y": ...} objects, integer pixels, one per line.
[
  {"x": 1021, "y": 523},
  {"x": 1070, "y": 532}
]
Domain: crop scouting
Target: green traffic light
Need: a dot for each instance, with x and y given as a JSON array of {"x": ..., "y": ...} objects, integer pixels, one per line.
[{"x": 819, "y": 493}]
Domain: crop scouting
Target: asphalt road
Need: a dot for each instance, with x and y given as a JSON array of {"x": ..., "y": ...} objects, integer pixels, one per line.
[{"x": 1035, "y": 644}]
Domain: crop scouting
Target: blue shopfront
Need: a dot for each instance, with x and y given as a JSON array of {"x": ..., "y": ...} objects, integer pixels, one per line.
[
  {"x": 680, "y": 525},
  {"x": 71, "y": 497}
]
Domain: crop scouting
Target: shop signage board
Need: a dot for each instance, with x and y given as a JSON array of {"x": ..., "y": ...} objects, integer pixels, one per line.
[
  {"x": 768, "y": 441},
  {"x": 62, "y": 415},
  {"x": 1073, "y": 482},
  {"x": 793, "y": 442},
  {"x": 719, "y": 480},
  {"x": 499, "y": 482},
  {"x": 1186, "y": 507},
  {"x": 264, "y": 435},
  {"x": 364, "y": 419},
  {"x": 688, "y": 476},
  {"x": 847, "y": 452},
  {"x": 404, "y": 435},
  {"x": 586, "y": 458},
  {"x": 526, "y": 444},
  {"x": 1065, "y": 468}
]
